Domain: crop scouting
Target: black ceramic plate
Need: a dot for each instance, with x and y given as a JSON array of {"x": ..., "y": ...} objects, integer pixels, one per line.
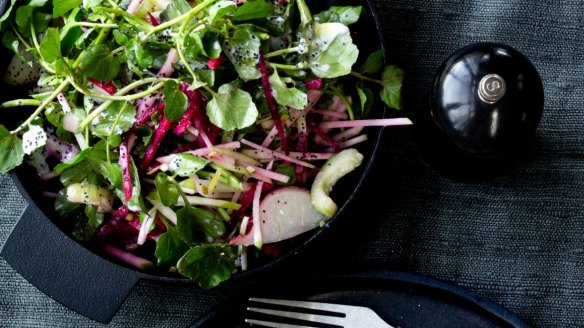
[
  {"x": 401, "y": 299},
  {"x": 80, "y": 278}
]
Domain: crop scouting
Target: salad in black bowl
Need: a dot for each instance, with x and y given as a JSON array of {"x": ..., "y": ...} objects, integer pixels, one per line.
[{"x": 200, "y": 138}]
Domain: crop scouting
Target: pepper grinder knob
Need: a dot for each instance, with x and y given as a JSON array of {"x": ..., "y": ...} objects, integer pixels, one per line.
[{"x": 487, "y": 99}]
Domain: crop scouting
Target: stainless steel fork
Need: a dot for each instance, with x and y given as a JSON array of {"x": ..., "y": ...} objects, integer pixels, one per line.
[{"x": 341, "y": 315}]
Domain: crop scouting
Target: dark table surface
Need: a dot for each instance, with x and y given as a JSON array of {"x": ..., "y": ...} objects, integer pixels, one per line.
[{"x": 516, "y": 237}]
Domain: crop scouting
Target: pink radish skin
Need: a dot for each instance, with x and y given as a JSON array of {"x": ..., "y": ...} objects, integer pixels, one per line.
[{"x": 284, "y": 213}]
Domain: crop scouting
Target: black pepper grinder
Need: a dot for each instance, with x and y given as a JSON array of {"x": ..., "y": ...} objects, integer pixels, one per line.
[{"x": 485, "y": 104}]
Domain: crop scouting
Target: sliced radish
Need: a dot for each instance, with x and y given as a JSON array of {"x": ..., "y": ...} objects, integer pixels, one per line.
[
  {"x": 19, "y": 73},
  {"x": 285, "y": 213}
]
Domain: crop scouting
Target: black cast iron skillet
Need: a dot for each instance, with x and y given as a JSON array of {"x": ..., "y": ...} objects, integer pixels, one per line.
[{"x": 79, "y": 277}]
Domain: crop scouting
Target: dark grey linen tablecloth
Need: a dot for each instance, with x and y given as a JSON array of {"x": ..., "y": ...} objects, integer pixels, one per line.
[{"x": 516, "y": 238}]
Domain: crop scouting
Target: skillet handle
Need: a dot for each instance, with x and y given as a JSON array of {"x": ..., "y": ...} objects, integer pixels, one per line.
[{"x": 64, "y": 270}]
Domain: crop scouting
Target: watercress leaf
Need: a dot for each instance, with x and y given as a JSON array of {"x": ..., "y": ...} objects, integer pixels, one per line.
[
  {"x": 243, "y": 49},
  {"x": 185, "y": 164},
  {"x": 41, "y": 20},
  {"x": 86, "y": 224},
  {"x": 176, "y": 101},
  {"x": 196, "y": 225},
  {"x": 327, "y": 16},
  {"x": 121, "y": 38},
  {"x": 392, "y": 78},
  {"x": 70, "y": 39},
  {"x": 94, "y": 155},
  {"x": 194, "y": 46},
  {"x": 61, "y": 7},
  {"x": 75, "y": 173},
  {"x": 287, "y": 96},
  {"x": 208, "y": 265},
  {"x": 186, "y": 224},
  {"x": 175, "y": 9},
  {"x": 64, "y": 207},
  {"x": 347, "y": 14},
  {"x": 305, "y": 15},
  {"x": 98, "y": 62},
  {"x": 206, "y": 76},
  {"x": 60, "y": 67},
  {"x": 169, "y": 247},
  {"x": 88, "y": 4},
  {"x": 254, "y": 10},
  {"x": 138, "y": 54},
  {"x": 11, "y": 153},
  {"x": 94, "y": 218},
  {"x": 232, "y": 108},
  {"x": 113, "y": 173},
  {"x": 288, "y": 170},
  {"x": 212, "y": 45},
  {"x": 366, "y": 99},
  {"x": 336, "y": 52},
  {"x": 167, "y": 191},
  {"x": 374, "y": 62},
  {"x": 23, "y": 20},
  {"x": 54, "y": 115},
  {"x": 116, "y": 119},
  {"x": 114, "y": 140},
  {"x": 219, "y": 10},
  {"x": 10, "y": 41}
]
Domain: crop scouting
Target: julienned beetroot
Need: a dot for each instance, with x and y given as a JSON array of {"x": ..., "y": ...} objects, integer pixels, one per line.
[
  {"x": 156, "y": 141},
  {"x": 272, "y": 103}
]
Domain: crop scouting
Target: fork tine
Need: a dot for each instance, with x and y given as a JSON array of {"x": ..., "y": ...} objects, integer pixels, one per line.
[
  {"x": 301, "y": 316},
  {"x": 335, "y": 308},
  {"x": 274, "y": 324}
]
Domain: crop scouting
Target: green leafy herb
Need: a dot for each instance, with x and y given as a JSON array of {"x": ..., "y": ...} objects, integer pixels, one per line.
[
  {"x": 175, "y": 9},
  {"x": 219, "y": 10},
  {"x": 254, "y": 10},
  {"x": 196, "y": 225},
  {"x": 374, "y": 62},
  {"x": 88, "y": 4},
  {"x": 75, "y": 174},
  {"x": 345, "y": 15},
  {"x": 336, "y": 53},
  {"x": 185, "y": 164},
  {"x": 61, "y": 7},
  {"x": 118, "y": 118},
  {"x": 232, "y": 108},
  {"x": 176, "y": 101},
  {"x": 99, "y": 63},
  {"x": 64, "y": 207},
  {"x": 208, "y": 265},
  {"x": 288, "y": 170},
  {"x": 392, "y": 82},
  {"x": 10, "y": 41},
  {"x": 11, "y": 153},
  {"x": 170, "y": 247},
  {"x": 287, "y": 96},
  {"x": 243, "y": 50},
  {"x": 366, "y": 98},
  {"x": 167, "y": 191}
]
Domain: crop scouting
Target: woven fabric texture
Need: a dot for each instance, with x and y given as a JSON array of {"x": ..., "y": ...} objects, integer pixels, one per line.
[{"x": 516, "y": 237}]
